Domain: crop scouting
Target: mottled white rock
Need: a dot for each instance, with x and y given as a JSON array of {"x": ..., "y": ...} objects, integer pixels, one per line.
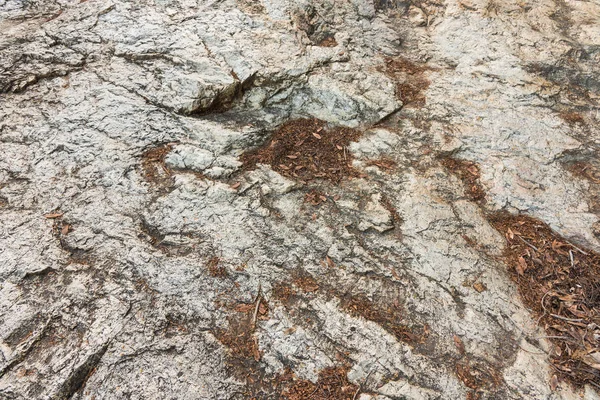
[{"x": 121, "y": 304}]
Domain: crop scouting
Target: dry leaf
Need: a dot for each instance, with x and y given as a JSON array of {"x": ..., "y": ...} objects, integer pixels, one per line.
[
  {"x": 317, "y": 135},
  {"x": 236, "y": 185},
  {"x": 65, "y": 229},
  {"x": 53, "y": 215},
  {"x": 511, "y": 234},
  {"x": 553, "y": 382},
  {"x": 255, "y": 350},
  {"x": 262, "y": 309},
  {"x": 289, "y": 330},
  {"x": 459, "y": 344},
  {"x": 473, "y": 170},
  {"x": 292, "y": 157},
  {"x": 244, "y": 307},
  {"x": 329, "y": 262},
  {"x": 591, "y": 361},
  {"x": 521, "y": 266},
  {"x": 479, "y": 287}
]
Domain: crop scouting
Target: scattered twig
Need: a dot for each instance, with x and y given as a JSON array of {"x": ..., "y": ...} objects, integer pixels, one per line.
[
  {"x": 571, "y": 257},
  {"x": 579, "y": 250},
  {"x": 528, "y": 244},
  {"x": 315, "y": 391},
  {"x": 363, "y": 384},
  {"x": 554, "y": 337},
  {"x": 595, "y": 384},
  {"x": 567, "y": 319}
]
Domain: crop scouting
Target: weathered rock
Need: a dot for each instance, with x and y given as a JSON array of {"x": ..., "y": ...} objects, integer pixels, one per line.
[{"x": 117, "y": 282}]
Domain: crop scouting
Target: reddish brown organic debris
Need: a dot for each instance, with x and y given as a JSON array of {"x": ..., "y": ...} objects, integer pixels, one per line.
[
  {"x": 388, "y": 316},
  {"x": 305, "y": 149},
  {"x": 157, "y": 172},
  {"x": 329, "y": 41},
  {"x": 473, "y": 395},
  {"x": 154, "y": 168},
  {"x": 244, "y": 356},
  {"x": 283, "y": 291},
  {"x": 410, "y": 80},
  {"x": 478, "y": 375},
  {"x": 387, "y": 204},
  {"x": 214, "y": 269},
  {"x": 301, "y": 280},
  {"x": 60, "y": 230},
  {"x": 387, "y": 313},
  {"x": 384, "y": 163},
  {"x": 560, "y": 282},
  {"x": 240, "y": 339},
  {"x": 572, "y": 117},
  {"x": 584, "y": 170},
  {"x": 333, "y": 384},
  {"x": 315, "y": 197},
  {"x": 468, "y": 172},
  {"x": 306, "y": 282},
  {"x": 244, "y": 363}
]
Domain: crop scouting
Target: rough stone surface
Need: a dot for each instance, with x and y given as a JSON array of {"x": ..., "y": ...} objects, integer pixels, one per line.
[{"x": 119, "y": 271}]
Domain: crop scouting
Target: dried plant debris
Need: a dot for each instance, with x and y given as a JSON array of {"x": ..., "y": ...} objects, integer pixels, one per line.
[
  {"x": 468, "y": 172},
  {"x": 388, "y": 205},
  {"x": 410, "y": 79},
  {"x": 154, "y": 169},
  {"x": 305, "y": 282},
  {"x": 243, "y": 360},
  {"x": 239, "y": 337},
  {"x": 333, "y": 384},
  {"x": 244, "y": 363},
  {"x": 560, "y": 282},
  {"x": 215, "y": 269},
  {"x": 60, "y": 230},
  {"x": 305, "y": 149},
  {"x": 301, "y": 282},
  {"x": 385, "y": 164},
  {"x": 252, "y": 6},
  {"x": 244, "y": 355},
  {"x": 389, "y": 316},
  {"x": 283, "y": 291},
  {"x": 584, "y": 170},
  {"x": 315, "y": 197},
  {"x": 478, "y": 375},
  {"x": 572, "y": 117},
  {"x": 328, "y": 41},
  {"x": 386, "y": 310},
  {"x": 156, "y": 239}
]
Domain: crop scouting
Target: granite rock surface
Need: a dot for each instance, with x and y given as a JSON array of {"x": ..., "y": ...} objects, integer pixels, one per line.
[{"x": 134, "y": 245}]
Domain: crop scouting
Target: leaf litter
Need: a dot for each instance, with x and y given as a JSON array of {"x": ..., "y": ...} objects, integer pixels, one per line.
[
  {"x": 556, "y": 279},
  {"x": 560, "y": 283},
  {"x": 305, "y": 150}
]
